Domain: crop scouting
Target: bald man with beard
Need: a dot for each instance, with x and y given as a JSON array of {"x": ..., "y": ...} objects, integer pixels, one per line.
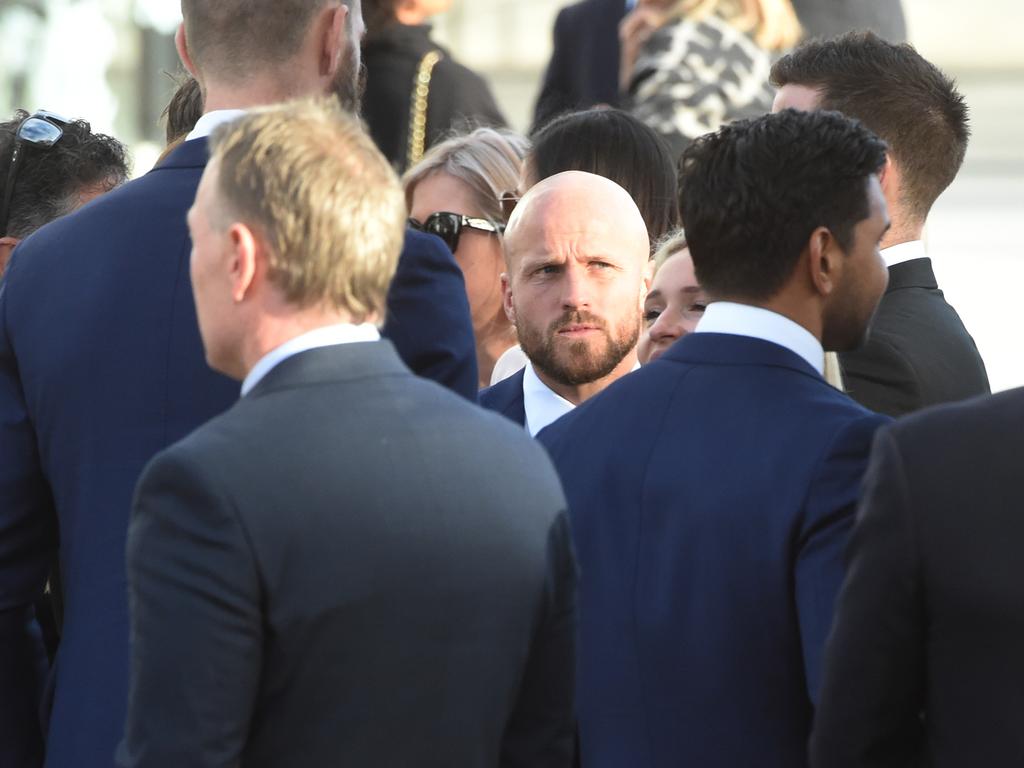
[{"x": 576, "y": 251}]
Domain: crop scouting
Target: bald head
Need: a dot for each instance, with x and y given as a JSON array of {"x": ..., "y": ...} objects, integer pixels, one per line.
[
  {"x": 580, "y": 209},
  {"x": 576, "y": 250}
]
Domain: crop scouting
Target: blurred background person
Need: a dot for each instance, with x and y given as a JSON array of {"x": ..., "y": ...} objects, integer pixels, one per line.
[
  {"x": 415, "y": 92},
  {"x": 455, "y": 192},
  {"x": 675, "y": 303},
  {"x": 689, "y": 66},
  {"x": 584, "y": 67},
  {"x": 51, "y": 167},
  {"x": 829, "y": 18},
  {"x": 919, "y": 352},
  {"x": 616, "y": 145},
  {"x": 182, "y": 112}
]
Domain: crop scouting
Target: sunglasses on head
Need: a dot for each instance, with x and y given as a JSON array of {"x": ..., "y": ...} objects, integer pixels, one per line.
[
  {"x": 42, "y": 129},
  {"x": 448, "y": 226}
]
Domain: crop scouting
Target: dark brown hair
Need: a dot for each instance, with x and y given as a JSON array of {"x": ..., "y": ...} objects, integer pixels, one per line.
[{"x": 896, "y": 93}]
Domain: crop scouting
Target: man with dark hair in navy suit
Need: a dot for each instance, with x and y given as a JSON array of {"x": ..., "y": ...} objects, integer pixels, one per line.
[
  {"x": 101, "y": 367},
  {"x": 711, "y": 493}
]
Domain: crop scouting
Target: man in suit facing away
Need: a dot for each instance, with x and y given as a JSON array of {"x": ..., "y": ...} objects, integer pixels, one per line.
[
  {"x": 711, "y": 492},
  {"x": 576, "y": 253},
  {"x": 352, "y": 565},
  {"x": 919, "y": 352},
  {"x": 923, "y": 666},
  {"x": 101, "y": 367}
]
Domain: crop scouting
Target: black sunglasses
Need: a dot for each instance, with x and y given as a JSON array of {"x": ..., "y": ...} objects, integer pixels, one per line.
[
  {"x": 42, "y": 129},
  {"x": 448, "y": 226}
]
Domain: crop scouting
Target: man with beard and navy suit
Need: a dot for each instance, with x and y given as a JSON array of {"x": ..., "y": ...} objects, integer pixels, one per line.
[
  {"x": 711, "y": 493},
  {"x": 101, "y": 366}
]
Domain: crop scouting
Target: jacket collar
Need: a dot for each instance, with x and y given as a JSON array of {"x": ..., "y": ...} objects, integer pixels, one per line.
[
  {"x": 189, "y": 154},
  {"x": 916, "y": 273},
  {"x": 730, "y": 349},
  {"x": 506, "y": 397}
]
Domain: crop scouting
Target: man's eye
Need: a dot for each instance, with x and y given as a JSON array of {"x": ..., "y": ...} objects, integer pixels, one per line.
[{"x": 548, "y": 269}]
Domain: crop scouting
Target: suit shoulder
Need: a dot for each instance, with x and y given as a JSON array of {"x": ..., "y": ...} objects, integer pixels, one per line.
[
  {"x": 979, "y": 418},
  {"x": 500, "y": 395}
]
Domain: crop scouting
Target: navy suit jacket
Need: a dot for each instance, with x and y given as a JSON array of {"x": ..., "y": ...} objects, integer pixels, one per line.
[
  {"x": 506, "y": 398},
  {"x": 711, "y": 495},
  {"x": 584, "y": 66},
  {"x": 101, "y": 367}
]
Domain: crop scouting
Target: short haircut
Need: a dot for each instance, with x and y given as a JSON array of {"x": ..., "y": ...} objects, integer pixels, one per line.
[
  {"x": 896, "y": 93},
  {"x": 312, "y": 184},
  {"x": 233, "y": 38},
  {"x": 488, "y": 160},
  {"x": 184, "y": 109},
  {"x": 752, "y": 194},
  {"x": 51, "y": 180},
  {"x": 614, "y": 144}
]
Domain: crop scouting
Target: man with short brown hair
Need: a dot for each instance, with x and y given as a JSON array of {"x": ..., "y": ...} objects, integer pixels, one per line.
[
  {"x": 919, "y": 352},
  {"x": 313, "y": 574}
]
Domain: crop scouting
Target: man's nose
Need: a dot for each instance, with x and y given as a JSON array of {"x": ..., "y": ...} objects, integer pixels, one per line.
[{"x": 576, "y": 289}]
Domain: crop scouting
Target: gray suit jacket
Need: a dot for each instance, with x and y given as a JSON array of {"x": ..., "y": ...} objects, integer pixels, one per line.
[{"x": 351, "y": 567}]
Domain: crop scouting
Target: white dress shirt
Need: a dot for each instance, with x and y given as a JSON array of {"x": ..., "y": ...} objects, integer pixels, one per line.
[
  {"x": 758, "y": 323},
  {"x": 542, "y": 404},
  {"x": 328, "y": 336},
  {"x": 211, "y": 121},
  {"x": 897, "y": 254}
]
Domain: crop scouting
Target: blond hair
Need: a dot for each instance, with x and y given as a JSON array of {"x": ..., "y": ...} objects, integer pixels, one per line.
[
  {"x": 487, "y": 160},
  {"x": 772, "y": 23},
  {"x": 307, "y": 178}
]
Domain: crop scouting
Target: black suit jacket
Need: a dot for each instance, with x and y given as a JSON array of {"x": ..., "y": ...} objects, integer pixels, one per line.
[
  {"x": 458, "y": 97},
  {"x": 918, "y": 353},
  {"x": 351, "y": 566},
  {"x": 931, "y": 617},
  {"x": 584, "y": 66},
  {"x": 828, "y": 18},
  {"x": 506, "y": 398}
]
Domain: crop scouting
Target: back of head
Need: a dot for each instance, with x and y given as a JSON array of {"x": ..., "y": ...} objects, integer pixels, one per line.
[
  {"x": 53, "y": 181},
  {"x": 234, "y": 38},
  {"x": 308, "y": 178},
  {"x": 487, "y": 160},
  {"x": 752, "y": 194},
  {"x": 616, "y": 145},
  {"x": 896, "y": 93},
  {"x": 184, "y": 109}
]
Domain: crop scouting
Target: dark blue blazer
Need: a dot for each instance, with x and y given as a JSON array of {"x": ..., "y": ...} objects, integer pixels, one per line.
[
  {"x": 584, "y": 66},
  {"x": 711, "y": 494},
  {"x": 101, "y": 367},
  {"x": 506, "y": 398}
]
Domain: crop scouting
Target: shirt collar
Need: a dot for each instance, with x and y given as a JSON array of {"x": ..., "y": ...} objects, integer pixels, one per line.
[
  {"x": 329, "y": 335},
  {"x": 758, "y": 323},
  {"x": 541, "y": 403},
  {"x": 897, "y": 254},
  {"x": 211, "y": 121}
]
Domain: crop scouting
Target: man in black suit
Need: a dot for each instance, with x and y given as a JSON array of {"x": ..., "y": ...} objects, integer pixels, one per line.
[
  {"x": 919, "y": 352},
  {"x": 584, "y": 66},
  {"x": 352, "y": 565},
  {"x": 924, "y": 664}
]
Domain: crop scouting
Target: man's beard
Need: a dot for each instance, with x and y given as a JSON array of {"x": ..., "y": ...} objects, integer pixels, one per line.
[
  {"x": 574, "y": 363},
  {"x": 349, "y": 84}
]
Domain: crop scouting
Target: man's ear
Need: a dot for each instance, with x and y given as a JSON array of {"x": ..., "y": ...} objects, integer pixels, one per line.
[
  {"x": 889, "y": 178},
  {"x": 247, "y": 260},
  {"x": 335, "y": 40},
  {"x": 181, "y": 43},
  {"x": 506, "y": 298},
  {"x": 824, "y": 261}
]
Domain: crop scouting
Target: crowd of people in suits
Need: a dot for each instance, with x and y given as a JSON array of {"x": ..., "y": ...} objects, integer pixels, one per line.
[{"x": 623, "y": 444}]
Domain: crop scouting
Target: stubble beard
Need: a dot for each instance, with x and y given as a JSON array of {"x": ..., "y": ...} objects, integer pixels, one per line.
[{"x": 577, "y": 362}]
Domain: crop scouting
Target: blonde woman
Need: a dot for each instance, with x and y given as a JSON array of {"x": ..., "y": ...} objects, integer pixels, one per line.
[
  {"x": 676, "y": 303},
  {"x": 455, "y": 192},
  {"x": 688, "y": 66}
]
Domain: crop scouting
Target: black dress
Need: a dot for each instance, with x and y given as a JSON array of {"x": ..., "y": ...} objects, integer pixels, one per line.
[{"x": 458, "y": 97}]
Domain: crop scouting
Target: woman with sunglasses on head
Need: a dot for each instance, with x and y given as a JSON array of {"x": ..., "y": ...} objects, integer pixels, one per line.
[{"x": 455, "y": 192}]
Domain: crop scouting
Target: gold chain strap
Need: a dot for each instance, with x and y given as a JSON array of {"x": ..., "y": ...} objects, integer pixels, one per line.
[{"x": 418, "y": 109}]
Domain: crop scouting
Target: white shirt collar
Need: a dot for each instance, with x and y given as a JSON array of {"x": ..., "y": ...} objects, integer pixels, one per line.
[
  {"x": 211, "y": 121},
  {"x": 758, "y": 323},
  {"x": 329, "y": 335},
  {"x": 897, "y": 254},
  {"x": 542, "y": 404}
]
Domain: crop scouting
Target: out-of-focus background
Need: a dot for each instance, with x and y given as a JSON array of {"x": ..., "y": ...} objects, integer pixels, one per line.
[{"x": 105, "y": 60}]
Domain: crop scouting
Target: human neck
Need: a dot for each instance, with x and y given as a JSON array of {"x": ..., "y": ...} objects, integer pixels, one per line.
[
  {"x": 223, "y": 96},
  {"x": 273, "y": 330},
  {"x": 902, "y": 234},
  {"x": 580, "y": 393},
  {"x": 492, "y": 341}
]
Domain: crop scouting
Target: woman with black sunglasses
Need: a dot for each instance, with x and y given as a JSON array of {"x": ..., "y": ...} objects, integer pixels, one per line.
[{"x": 456, "y": 192}]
